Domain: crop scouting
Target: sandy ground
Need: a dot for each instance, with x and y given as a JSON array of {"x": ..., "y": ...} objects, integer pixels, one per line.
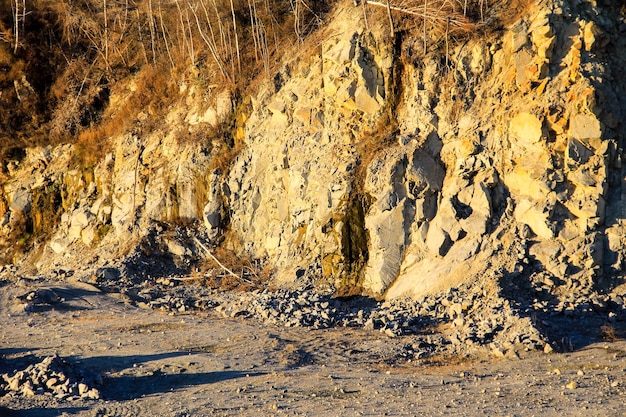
[{"x": 156, "y": 364}]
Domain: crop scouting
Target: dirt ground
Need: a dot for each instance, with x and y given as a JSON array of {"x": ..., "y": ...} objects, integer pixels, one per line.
[{"x": 157, "y": 364}]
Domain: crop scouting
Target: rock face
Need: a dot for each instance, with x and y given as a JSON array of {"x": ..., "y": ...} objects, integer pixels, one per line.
[{"x": 506, "y": 163}]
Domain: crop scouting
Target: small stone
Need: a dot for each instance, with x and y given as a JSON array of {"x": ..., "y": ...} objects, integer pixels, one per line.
[
  {"x": 14, "y": 383},
  {"x": 390, "y": 333},
  {"x": 51, "y": 382},
  {"x": 82, "y": 388},
  {"x": 93, "y": 394},
  {"x": 547, "y": 348},
  {"x": 27, "y": 389},
  {"x": 572, "y": 385},
  {"x": 580, "y": 373},
  {"x": 556, "y": 371}
]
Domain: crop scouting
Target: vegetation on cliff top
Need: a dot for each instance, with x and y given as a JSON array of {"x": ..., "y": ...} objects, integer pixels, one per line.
[{"x": 59, "y": 60}]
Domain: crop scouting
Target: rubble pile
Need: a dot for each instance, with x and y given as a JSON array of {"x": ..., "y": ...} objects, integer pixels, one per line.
[{"x": 51, "y": 376}]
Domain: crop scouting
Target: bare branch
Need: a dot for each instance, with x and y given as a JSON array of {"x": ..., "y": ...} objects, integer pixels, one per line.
[{"x": 208, "y": 252}]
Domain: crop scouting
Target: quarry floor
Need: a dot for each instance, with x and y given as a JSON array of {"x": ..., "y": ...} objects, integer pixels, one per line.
[{"x": 158, "y": 364}]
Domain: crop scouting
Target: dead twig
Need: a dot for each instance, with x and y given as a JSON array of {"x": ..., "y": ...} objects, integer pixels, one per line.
[
  {"x": 208, "y": 252},
  {"x": 183, "y": 279},
  {"x": 390, "y": 18},
  {"x": 435, "y": 12}
]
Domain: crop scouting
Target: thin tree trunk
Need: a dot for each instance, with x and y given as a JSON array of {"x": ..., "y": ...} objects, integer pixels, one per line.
[
  {"x": 208, "y": 20},
  {"x": 192, "y": 51},
  {"x": 256, "y": 53},
  {"x": 17, "y": 23},
  {"x": 232, "y": 11},
  {"x": 367, "y": 26},
  {"x": 390, "y": 18},
  {"x": 143, "y": 47},
  {"x": 167, "y": 48},
  {"x": 425, "y": 40},
  {"x": 262, "y": 36},
  {"x": 211, "y": 46},
  {"x": 219, "y": 23},
  {"x": 296, "y": 20},
  {"x": 447, "y": 45},
  {"x": 106, "y": 33},
  {"x": 271, "y": 17},
  {"x": 185, "y": 46},
  {"x": 152, "y": 30}
]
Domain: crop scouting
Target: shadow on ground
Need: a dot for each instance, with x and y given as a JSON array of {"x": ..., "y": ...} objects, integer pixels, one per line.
[
  {"x": 590, "y": 320},
  {"x": 128, "y": 386},
  {"x": 40, "y": 412},
  {"x": 57, "y": 298},
  {"x": 103, "y": 373},
  {"x": 131, "y": 387}
]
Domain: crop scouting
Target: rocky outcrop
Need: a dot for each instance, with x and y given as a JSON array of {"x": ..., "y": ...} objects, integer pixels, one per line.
[
  {"x": 504, "y": 163},
  {"x": 538, "y": 162}
]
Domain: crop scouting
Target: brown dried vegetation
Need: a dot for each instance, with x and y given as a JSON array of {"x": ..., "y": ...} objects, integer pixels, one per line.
[
  {"x": 246, "y": 275},
  {"x": 611, "y": 333},
  {"x": 60, "y": 60}
]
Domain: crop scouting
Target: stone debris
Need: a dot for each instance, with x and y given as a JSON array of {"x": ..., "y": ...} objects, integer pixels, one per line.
[
  {"x": 52, "y": 376},
  {"x": 468, "y": 317},
  {"x": 39, "y": 299}
]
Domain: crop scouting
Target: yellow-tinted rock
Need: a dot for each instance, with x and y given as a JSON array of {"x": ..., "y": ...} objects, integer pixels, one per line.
[
  {"x": 585, "y": 126},
  {"x": 523, "y": 60},
  {"x": 543, "y": 39},
  {"x": 277, "y": 106},
  {"x": 466, "y": 148},
  {"x": 364, "y": 102},
  {"x": 529, "y": 213},
  {"x": 341, "y": 53},
  {"x": 523, "y": 182},
  {"x": 303, "y": 114},
  {"x": 590, "y": 33},
  {"x": 526, "y": 127}
]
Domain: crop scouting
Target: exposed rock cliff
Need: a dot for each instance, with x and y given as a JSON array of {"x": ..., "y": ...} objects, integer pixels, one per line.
[{"x": 370, "y": 168}]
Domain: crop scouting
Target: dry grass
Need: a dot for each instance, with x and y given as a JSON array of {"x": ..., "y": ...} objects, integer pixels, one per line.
[
  {"x": 610, "y": 333},
  {"x": 248, "y": 276},
  {"x": 73, "y": 53},
  {"x": 437, "y": 25},
  {"x": 445, "y": 15}
]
